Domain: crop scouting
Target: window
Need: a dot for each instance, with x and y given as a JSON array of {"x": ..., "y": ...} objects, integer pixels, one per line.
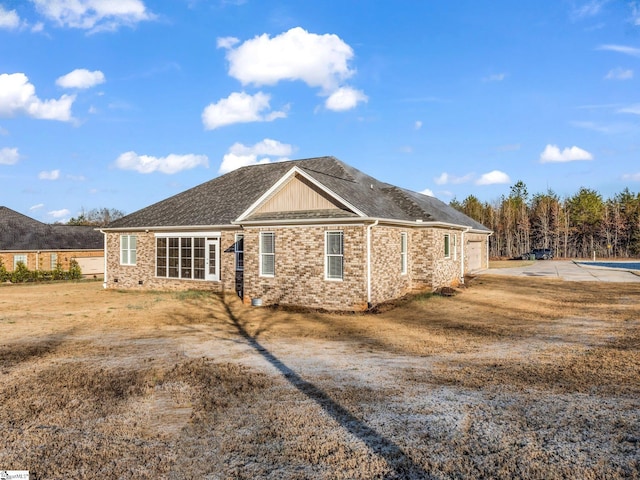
[
  {"x": 54, "y": 261},
  {"x": 180, "y": 257},
  {"x": 447, "y": 250},
  {"x": 21, "y": 258},
  {"x": 267, "y": 254},
  {"x": 198, "y": 258},
  {"x": 239, "y": 251},
  {"x": 334, "y": 244},
  {"x": 403, "y": 253},
  {"x": 128, "y": 249}
]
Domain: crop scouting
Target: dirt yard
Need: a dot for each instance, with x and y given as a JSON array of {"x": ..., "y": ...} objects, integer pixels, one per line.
[{"x": 510, "y": 378}]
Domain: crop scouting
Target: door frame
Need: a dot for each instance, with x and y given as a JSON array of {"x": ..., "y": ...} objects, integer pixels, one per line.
[{"x": 215, "y": 276}]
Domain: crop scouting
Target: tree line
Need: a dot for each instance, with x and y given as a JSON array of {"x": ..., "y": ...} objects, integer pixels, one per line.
[{"x": 572, "y": 227}]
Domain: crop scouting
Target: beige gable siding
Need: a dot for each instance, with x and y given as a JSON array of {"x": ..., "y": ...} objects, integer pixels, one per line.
[
  {"x": 300, "y": 269},
  {"x": 297, "y": 195}
]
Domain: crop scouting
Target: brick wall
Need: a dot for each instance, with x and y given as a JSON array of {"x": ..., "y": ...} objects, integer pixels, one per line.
[
  {"x": 300, "y": 269},
  {"x": 142, "y": 275},
  {"x": 427, "y": 269},
  {"x": 300, "y": 265},
  {"x": 42, "y": 260},
  {"x": 387, "y": 280}
]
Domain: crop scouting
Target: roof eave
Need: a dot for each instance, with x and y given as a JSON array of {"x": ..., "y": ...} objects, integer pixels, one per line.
[{"x": 156, "y": 228}]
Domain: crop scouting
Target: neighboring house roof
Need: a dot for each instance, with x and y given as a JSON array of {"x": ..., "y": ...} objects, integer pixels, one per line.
[
  {"x": 223, "y": 200},
  {"x": 22, "y": 233}
]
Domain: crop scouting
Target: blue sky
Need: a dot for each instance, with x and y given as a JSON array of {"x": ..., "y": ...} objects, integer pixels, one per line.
[{"x": 120, "y": 104}]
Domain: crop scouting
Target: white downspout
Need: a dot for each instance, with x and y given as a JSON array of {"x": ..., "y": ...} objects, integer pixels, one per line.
[
  {"x": 369, "y": 228},
  {"x": 462, "y": 254},
  {"x": 104, "y": 279}
]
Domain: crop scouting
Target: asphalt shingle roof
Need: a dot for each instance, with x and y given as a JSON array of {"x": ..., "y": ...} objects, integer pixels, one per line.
[
  {"x": 222, "y": 200},
  {"x": 21, "y": 233}
]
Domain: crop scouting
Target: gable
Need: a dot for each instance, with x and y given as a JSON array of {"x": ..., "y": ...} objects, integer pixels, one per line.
[{"x": 297, "y": 195}]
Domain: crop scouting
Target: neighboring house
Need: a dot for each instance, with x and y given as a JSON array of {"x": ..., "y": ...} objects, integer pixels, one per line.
[
  {"x": 315, "y": 233},
  {"x": 41, "y": 246}
]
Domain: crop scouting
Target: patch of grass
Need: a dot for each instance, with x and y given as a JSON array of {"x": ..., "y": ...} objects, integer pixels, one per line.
[{"x": 193, "y": 295}]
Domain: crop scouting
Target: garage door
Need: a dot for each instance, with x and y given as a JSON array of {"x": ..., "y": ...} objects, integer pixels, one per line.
[
  {"x": 91, "y": 265},
  {"x": 474, "y": 256}
]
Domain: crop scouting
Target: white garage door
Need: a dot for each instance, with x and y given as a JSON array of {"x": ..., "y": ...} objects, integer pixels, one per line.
[
  {"x": 91, "y": 265},
  {"x": 474, "y": 255}
]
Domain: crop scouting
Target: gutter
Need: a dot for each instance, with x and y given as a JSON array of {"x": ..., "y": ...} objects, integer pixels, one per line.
[{"x": 369, "y": 228}]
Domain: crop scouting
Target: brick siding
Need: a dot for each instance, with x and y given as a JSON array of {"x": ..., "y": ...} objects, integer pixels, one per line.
[
  {"x": 42, "y": 260},
  {"x": 300, "y": 265}
]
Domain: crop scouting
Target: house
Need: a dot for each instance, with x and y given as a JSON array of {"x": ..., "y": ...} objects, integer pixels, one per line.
[
  {"x": 42, "y": 246},
  {"x": 316, "y": 233}
]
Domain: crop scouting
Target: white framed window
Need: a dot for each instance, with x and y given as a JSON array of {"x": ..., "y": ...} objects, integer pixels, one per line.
[
  {"x": 128, "y": 249},
  {"x": 447, "y": 245},
  {"x": 18, "y": 259},
  {"x": 54, "y": 261},
  {"x": 334, "y": 255},
  {"x": 403, "y": 253},
  {"x": 267, "y": 254},
  {"x": 239, "y": 252},
  {"x": 181, "y": 257}
]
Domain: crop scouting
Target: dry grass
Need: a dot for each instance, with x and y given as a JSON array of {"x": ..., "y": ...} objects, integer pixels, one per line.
[
  {"x": 510, "y": 378},
  {"x": 510, "y": 263}
]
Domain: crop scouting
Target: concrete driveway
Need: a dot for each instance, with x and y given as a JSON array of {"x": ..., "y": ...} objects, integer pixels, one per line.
[{"x": 567, "y": 270}]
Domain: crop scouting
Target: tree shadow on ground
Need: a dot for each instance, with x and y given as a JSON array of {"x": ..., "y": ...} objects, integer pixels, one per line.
[{"x": 402, "y": 465}]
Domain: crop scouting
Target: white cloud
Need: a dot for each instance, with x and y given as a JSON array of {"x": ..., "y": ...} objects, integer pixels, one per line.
[
  {"x": 446, "y": 178},
  {"x": 17, "y": 96},
  {"x": 4, "y": 131},
  {"x": 59, "y": 213},
  {"x": 81, "y": 78},
  {"x": 619, "y": 74},
  {"x": 634, "y": 177},
  {"x": 77, "y": 178},
  {"x": 52, "y": 175},
  {"x": 227, "y": 42},
  {"x": 345, "y": 98},
  {"x": 9, "y": 156},
  {"x": 94, "y": 15},
  {"x": 38, "y": 206},
  {"x": 631, "y": 109},
  {"x": 427, "y": 191},
  {"x": 613, "y": 128},
  {"x": 318, "y": 60},
  {"x": 417, "y": 125},
  {"x": 240, "y": 155},
  {"x": 634, "y": 52},
  {"x": 512, "y": 147},
  {"x": 170, "y": 164},
  {"x": 239, "y": 107},
  {"x": 496, "y": 77},
  {"x": 9, "y": 19},
  {"x": 589, "y": 9},
  {"x": 552, "y": 154},
  {"x": 493, "y": 177},
  {"x": 635, "y": 14}
]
